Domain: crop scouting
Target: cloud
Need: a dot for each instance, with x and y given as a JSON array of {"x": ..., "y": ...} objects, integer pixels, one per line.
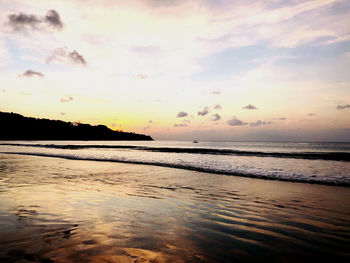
[
  {"x": 3, "y": 90},
  {"x": 236, "y": 122},
  {"x": 22, "y": 22},
  {"x": 215, "y": 92},
  {"x": 164, "y": 3},
  {"x": 53, "y": 19},
  {"x": 76, "y": 57},
  {"x": 342, "y": 107},
  {"x": 215, "y": 117},
  {"x": 26, "y": 93},
  {"x": 62, "y": 113},
  {"x": 282, "y": 119},
  {"x": 204, "y": 112},
  {"x": 150, "y": 121},
  {"x": 67, "y": 99},
  {"x": 259, "y": 122},
  {"x": 140, "y": 76},
  {"x": 311, "y": 114},
  {"x": 31, "y": 73},
  {"x": 250, "y": 107},
  {"x": 180, "y": 125},
  {"x": 63, "y": 55},
  {"x": 181, "y": 114},
  {"x": 217, "y": 107}
]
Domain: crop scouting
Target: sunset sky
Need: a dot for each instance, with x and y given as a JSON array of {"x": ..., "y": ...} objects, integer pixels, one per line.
[{"x": 205, "y": 69}]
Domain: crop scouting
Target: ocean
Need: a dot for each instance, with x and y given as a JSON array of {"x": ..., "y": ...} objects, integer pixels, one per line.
[
  {"x": 320, "y": 163},
  {"x": 174, "y": 201}
]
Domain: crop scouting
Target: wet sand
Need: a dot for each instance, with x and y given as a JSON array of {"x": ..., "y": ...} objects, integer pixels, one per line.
[{"x": 58, "y": 210}]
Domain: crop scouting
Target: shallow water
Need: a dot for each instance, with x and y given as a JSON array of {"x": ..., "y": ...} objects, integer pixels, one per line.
[{"x": 57, "y": 210}]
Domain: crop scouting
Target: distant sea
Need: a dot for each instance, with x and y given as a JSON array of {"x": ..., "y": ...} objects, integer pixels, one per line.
[
  {"x": 311, "y": 162},
  {"x": 174, "y": 201}
]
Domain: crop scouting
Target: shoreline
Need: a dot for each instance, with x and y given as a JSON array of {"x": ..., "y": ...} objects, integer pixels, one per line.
[{"x": 184, "y": 167}]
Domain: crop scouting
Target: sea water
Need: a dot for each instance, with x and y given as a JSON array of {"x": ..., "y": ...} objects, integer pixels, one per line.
[{"x": 320, "y": 163}]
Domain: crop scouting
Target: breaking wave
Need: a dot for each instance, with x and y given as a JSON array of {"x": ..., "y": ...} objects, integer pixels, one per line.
[{"x": 333, "y": 156}]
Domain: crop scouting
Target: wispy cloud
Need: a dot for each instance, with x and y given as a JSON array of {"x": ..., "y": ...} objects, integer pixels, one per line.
[
  {"x": 236, "y": 122},
  {"x": 282, "y": 118},
  {"x": 215, "y": 92},
  {"x": 342, "y": 107},
  {"x": 250, "y": 107},
  {"x": 180, "y": 125},
  {"x": 311, "y": 114},
  {"x": 215, "y": 117},
  {"x": 218, "y": 107},
  {"x": 67, "y": 99},
  {"x": 203, "y": 112},
  {"x": 182, "y": 114},
  {"x": 31, "y": 73},
  {"x": 64, "y": 55},
  {"x": 259, "y": 123}
]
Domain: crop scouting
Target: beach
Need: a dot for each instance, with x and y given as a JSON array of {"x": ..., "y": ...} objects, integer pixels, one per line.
[
  {"x": 156, "y": 131},
  {"x": 61, "y": 210}
]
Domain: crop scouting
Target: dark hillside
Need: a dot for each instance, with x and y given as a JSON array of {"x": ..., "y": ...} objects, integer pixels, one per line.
[{"x": 17, "y": 127}]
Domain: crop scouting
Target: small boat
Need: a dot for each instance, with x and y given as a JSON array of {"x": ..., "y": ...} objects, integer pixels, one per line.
[{"x": 195, "y": 141}]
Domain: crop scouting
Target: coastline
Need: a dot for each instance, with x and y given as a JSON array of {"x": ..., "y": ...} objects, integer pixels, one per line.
[
  {"x": 86, "y": 210},
  {"x": 182, "y": 166}
]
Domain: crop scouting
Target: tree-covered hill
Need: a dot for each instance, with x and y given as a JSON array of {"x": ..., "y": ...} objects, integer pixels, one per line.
[{"x": 17, "y": 127}]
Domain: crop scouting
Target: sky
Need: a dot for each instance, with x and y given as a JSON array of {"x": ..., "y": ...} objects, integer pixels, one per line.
[{"x": 181, "y": 70}]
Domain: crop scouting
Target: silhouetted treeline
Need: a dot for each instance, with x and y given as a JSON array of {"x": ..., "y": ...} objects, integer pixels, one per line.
[{"x": 17, "y": 127}]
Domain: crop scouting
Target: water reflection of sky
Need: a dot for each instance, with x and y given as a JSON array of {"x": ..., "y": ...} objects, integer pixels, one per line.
[{"x": 54, "y": 210}]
